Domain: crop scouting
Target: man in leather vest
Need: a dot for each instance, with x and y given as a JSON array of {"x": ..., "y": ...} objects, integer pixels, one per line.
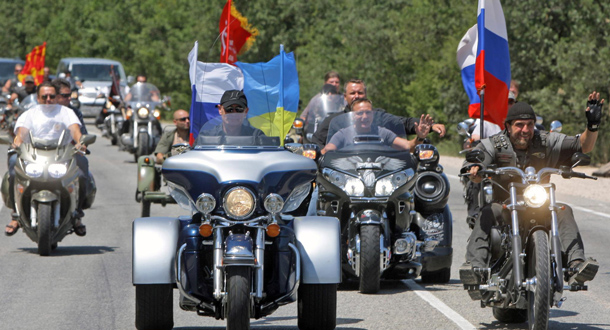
[{"x": 521, "y": 146}]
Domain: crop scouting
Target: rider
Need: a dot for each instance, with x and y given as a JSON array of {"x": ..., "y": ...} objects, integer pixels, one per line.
[
  {"x": 37, "y": 121},
  {"x": 520, "y": 145},
  {"x": 354, "y": 89},
  {"x": 171, "y": 137},
  {"x": 331, "y": 78},
  {"x": 22, "y": 92},
  {"x": 12, "y": 83},
  {"x": 233, "y": 109},
  {"x": 362, "y": 109}
]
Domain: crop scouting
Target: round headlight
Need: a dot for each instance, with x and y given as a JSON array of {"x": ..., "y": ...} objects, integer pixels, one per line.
[
  {"x": 143, "y": 113},
  {"x": 205, "y": 203},
  {"x": 34, "y": 170},
  {"x": 535, "y": 195},
  {"x": 239, "y": 203},
  {"x": 57, "y": 170},
  {"x": 274, "y": 203},
  {"x": 157, "y": 114},
  {"x": 384, "y": 187}
]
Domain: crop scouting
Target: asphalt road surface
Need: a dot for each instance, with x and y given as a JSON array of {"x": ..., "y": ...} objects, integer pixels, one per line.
[{"x": 86, "y": 282}]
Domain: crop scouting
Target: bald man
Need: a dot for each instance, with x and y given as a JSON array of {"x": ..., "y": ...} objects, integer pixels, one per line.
[{"x": 174, "y": 136}]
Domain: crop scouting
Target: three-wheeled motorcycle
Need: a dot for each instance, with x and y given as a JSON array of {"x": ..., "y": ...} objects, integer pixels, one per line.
[{"x": 247, "y": 247}]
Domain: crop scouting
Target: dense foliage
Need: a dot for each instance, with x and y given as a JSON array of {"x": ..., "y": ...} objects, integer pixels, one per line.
[{"x": 404, "y": 49}]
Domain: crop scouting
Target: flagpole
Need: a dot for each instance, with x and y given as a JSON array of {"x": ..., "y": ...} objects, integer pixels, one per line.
[
  {"x": 226, "y": 53},
  {"x": 481, "y": 130},
  {"x": 282, "y": 88}
]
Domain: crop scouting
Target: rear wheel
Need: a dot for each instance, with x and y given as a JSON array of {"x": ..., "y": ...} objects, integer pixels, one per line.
[
  {"x": 44, "y": 229},
  {"x": 370, "y": 271},
  {"x": 510, "y": 315},
  {"x": 538, "y": 267},
  {"x": 154, "y": 307},
  {"x": 317, "y": 306},
  {"x": 237, "y": 311}
]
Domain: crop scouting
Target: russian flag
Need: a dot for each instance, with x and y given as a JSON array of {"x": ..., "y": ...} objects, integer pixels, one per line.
[
  {"x": 491, "y": 66},
  {"x": 272, "y": 90}
]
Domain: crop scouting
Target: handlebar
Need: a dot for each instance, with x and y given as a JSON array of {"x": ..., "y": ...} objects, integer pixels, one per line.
[{"x": 529, "y": 174}]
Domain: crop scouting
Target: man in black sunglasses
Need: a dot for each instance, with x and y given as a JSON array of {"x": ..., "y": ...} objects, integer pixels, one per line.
[
  {"x": 20, "y": 93},
  {"x": 176, "y": 136}
]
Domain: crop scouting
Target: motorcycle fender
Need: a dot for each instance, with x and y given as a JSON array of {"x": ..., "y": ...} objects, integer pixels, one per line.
[
  {"x": 318, "y": 243},
  {"x": 146, "y": 174},
  {"x": 239, "y": 250},
  {"x": 155, "y": 242},
  {"x": 44, "y": 196}
]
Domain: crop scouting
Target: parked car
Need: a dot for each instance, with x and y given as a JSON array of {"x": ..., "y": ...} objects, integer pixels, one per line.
[{"x": 94, "y": 73}]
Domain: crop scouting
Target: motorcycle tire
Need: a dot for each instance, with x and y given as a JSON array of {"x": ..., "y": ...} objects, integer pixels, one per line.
[
  {"x": 44, "y": 229},
  {"x": 154, "y": 307},
  {"x": 145, "y": 209},
  {"x": 143, "y": 140},
  {"x": 237, "y": 310},
  {"x": 370, "y": 272},
  {"x": 538, "y": 265},
  {"x": 510, "y": 315},
  {"x": 113, "y": 139},
  {"x": 317, "y": 306}
]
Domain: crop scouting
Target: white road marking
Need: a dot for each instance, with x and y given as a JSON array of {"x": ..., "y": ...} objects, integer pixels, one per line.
[{"x": 439, "y": 305}]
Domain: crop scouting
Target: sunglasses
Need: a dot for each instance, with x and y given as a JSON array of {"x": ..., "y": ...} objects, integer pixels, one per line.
[
  {"x": 234, "y": 109},
  {"x": 48, "y": 96},
  {"x": 67, "y": 95},
  {"x": 184, "y": 119}
]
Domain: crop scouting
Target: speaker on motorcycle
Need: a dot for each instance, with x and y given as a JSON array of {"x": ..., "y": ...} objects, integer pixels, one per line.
[{"x": 431, "y": 191}]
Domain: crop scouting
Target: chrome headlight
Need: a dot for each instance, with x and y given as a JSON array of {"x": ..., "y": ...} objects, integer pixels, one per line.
[
  {"x": 57, "y": 170},
  {"x": 296, "y": 197},
  {"x": 535, "y": 195},
  {"x": 239, "y": 203},
  {"x": 157, "y": 114},
  {"x": 387, "y": 185},
  {"x": 143, "y": 113},
  {"x": 34, "y": 170},
  {"x": 274, "y": 203},
  {"x": 205, "y": 203},
  {"x": 351, "y": 185}
]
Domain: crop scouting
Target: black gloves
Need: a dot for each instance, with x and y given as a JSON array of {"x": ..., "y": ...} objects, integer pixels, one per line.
[{"x": 594, "y": 115}]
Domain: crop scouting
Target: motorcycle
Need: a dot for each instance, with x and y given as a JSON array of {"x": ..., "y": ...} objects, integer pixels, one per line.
[
  {"x": 526, "y": 276},
  {"x": 472, "y": 195},
  {"x": 395, "y": 222},
  {"x": 113, "y": 122},
  {"x": 46, "y": 189},
  {"x": 142, "y": 129},
  {"x": 246, "y": 249}
]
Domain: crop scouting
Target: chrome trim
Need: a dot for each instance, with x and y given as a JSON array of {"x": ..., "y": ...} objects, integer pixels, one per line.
[
  {"x": 369, "y": 199},
  {"x": 218, "y": 269}
]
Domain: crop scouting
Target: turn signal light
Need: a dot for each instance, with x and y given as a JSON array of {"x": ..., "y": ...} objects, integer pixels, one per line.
[
  {"x": 311, "y": 154},
  {"x": 426, "y": 154},
  {"x": 146, "y": 160},
  {"x": 20, "y": 188},
  {"x": 205, "y": 229},
  {"x": 273, "y": 230},
  {"x": 298, "y": 123}
]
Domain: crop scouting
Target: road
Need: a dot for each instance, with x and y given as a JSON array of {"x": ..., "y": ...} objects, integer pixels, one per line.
[{"x": 86, "y": 282}]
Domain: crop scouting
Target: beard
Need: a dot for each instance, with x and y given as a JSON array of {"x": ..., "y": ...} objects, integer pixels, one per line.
[{"x": 520, "y": 142}]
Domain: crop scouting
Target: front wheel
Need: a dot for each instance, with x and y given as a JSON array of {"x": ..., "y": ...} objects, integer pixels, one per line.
[
  {"x": 317, "y": 306},
  {"x": 237, "y": 312},
  {"x": 143, "y": 149},
  {"x": 154, "y": 307},
  {"x": 538, "y": 267},
  {"x": 44, "y": 229},
  {"x": 370, "y": 272}
]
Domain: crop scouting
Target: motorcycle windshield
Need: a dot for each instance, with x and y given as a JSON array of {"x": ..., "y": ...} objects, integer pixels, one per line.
[
  {"x": 52, "y": 135},
  {"x": 320, "y": 107},
  {"x": 144, "y": 93},
  {"x": 235, "y": 130},
  {"x": 365, "y": 130},
  {"x": 29, "y": 102}
]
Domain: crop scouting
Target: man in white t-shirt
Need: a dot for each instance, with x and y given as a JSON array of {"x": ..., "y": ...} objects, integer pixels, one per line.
[{"x": 47, "y": 121}]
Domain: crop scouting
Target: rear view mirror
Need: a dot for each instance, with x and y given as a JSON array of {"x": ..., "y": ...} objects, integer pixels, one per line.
[
  {"x": 580, "y": 159},
  {"x": 88, "y": 139},
  {"x": 475, "y": 156},
  {"x": 556, "y": 126},
  {"x": 462, "y": 129}
]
